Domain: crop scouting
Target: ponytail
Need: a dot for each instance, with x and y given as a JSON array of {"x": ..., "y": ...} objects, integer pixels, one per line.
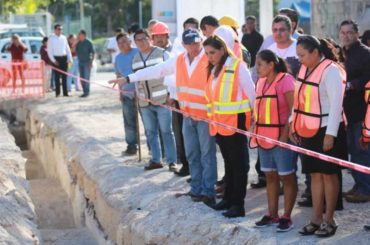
[
  {"x": 281, "y": 66},
  {"x": 269, "y": 56},
  {"x": 327, "y": 50}
]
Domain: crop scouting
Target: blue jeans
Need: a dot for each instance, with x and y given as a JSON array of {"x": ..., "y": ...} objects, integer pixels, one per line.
[
  {"x": 155, "y": 119},
  {"x": 129, "y": 121},
  {"x": 200, "y": 150},
  {"x": 74, "y": 71},
  {"x": 52, "y": 79},
  {"x": 360, "y": 156},
  {"x": 85, "y": 70}
]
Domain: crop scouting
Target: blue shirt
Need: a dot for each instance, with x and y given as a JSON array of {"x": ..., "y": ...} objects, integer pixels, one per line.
[{"x": 123, "y": 66}]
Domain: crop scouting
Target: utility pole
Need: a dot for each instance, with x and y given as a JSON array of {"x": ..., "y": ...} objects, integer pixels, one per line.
[
  {"x": 141, "y": 14},
  {"x": 82, "y": 14}
]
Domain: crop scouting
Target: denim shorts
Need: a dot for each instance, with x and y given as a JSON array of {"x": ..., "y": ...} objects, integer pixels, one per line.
[{"x": 278, "y": 159}]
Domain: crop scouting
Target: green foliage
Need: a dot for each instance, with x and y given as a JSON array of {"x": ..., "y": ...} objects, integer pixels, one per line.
[{"x": 106, "y": 14}]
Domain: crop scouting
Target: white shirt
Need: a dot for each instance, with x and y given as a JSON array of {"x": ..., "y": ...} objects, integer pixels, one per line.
[
  {"x": 269, "y": 40},
  {"x": 58, "y": 46},
  {"x": 331, "y": 98},
  {"x": 289, "y": 52},
  {"x": 112, "y": 44},
  {"x": 284, "y": 53},
  {"x": 170, "y": 80},
  {"x": 246, "y": 85},
  {"x": 165, "y": 69}
]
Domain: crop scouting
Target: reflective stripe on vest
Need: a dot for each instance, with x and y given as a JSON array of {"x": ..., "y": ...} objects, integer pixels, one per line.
[
  {"x": 266, "y": 111},
  {"x": 232, "y": 107},
  {"x": 366, "y": 124},
  {"x": 223, "y": 103},
  {"x": 190, "y": 89},
  {"x": 192, "y": 105},
  {"x": 307, "y": 109},
  {"x": 153, "y": 89}
]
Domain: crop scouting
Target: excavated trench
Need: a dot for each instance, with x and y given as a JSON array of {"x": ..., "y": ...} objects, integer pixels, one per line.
[{"x": 58, "y": 219}]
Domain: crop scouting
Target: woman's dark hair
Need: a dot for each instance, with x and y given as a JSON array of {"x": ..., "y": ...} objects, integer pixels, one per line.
[
  {"x": 337, "y": 49},
  {"x": 217, "y": 43},
  {"x": 310, "y": 43},
  {"x": 269, "y": 56},
  {"x": 365, "y": 37}
]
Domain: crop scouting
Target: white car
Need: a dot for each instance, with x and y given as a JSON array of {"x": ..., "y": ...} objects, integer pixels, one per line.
[
  {"x": 33, "y": 64},
  {"x": 32, "y": 43}
]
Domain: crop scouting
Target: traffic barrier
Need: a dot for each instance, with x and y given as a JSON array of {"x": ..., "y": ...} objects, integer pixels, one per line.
[
  {"x": 298, "y": 149},
  {"x": 22, "y": 79}
]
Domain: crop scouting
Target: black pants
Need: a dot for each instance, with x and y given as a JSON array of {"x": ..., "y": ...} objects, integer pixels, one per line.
[
  {"x": 234, "y": 150},
  {"x": 62, "y": 65},
  {"x": 179, "y": 139}
]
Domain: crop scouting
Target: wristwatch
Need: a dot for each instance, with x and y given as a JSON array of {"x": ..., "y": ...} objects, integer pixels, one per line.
[{"x": 127, "y": 79}]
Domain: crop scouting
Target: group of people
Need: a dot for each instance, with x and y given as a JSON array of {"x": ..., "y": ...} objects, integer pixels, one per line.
[
  {"x": 73, "y": 56},
  {"x": 293, "y": 88}
]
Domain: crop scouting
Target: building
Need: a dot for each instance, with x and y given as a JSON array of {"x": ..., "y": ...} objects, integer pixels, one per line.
[{"x": 328, "y": 14}]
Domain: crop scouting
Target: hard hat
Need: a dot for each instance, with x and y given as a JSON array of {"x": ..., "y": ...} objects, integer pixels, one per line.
[
  {"x": 229, "y": 21},
  {"x": 160, "y": 28},
  {"x": 227, "y": 35}
]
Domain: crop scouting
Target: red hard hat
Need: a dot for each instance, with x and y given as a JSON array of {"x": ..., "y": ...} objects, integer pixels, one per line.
[{"x": 160, "y": 28}]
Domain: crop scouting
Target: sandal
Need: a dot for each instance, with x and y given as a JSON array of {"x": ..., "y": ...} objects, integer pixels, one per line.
[
  {"x": 326, "y": 230},
  {"x": 309, "y": 229}
]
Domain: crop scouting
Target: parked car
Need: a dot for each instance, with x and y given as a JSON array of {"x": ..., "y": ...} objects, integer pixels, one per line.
[
  {"x": 22, "y": 32},
  {"x": 33, "y": 69},
  {"x": 32, "y": 43},
  {"x": 102, "y": 53}
]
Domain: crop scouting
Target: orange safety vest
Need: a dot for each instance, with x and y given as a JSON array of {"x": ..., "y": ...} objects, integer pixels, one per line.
[
  {"x": 266, "y": 113},
  {"x": 223, "y": 106},
  {"x": 307, "y": 108},
  {"x": 366, "y": 125},
  {"x": 190, "y": 90}
]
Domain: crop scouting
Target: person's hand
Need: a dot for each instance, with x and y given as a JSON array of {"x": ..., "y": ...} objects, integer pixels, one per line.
[
  {"x": 293, "y": 137},
  {"x": 284, "y": 138},
  {"x": 328, "y": 143},
  {"x": 170, "y": 101},
  {"x": 120, "y": 81},
  {"x": 56, "y": 63},
  {"x": 364, "y": 146}
]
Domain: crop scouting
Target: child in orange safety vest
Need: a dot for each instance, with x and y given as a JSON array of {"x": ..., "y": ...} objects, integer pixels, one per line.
[{"x": 273, "y": 106}]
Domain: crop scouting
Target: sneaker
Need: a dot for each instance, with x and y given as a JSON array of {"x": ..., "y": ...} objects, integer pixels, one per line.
[
  {"x": 153, "y": 165},
  {"x": 172, "y": 167},
  {"x": 285, "y": 224},
  {"x": 305, "y": 202},
  {"x": 357, "y": 198},
  {"x": 260, "y": 184},
  {"x": 183, "y": 172},
  {"x": 352, "y": 191},
  {"x": 267, "y": 220},
  {"x": 129, "y": 152}
]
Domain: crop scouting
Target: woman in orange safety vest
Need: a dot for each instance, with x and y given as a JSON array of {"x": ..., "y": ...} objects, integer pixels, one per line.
[
  {"x": 230, "y": 95},
  {"x": 365, "y": 139},
  {"x": 273, "y": 106},
  {"x": 317, "y": 124},
  {"x": 366, "y": 126}
]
